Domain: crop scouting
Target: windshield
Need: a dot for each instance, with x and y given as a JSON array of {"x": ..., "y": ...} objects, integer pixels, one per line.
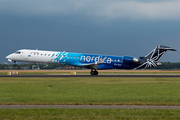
[{"x": 17, "y": 52}]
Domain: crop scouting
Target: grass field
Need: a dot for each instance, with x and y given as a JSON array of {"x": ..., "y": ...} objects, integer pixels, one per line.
[
  {"x": 88, "y": 114},
  {"x": 50, "y": 72},
  {"x": 111, "y": 91},
  {"x": 123, "y": 91}
]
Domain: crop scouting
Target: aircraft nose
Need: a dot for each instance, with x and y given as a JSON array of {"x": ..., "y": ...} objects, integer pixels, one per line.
[{"x": 8, "y": 57}]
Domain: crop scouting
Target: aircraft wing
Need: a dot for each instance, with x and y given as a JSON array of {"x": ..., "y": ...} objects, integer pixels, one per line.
[{"x": 92, "y": 65}]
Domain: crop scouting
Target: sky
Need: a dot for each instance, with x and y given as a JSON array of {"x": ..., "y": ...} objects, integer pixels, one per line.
[{"x": 112, "y": 27}]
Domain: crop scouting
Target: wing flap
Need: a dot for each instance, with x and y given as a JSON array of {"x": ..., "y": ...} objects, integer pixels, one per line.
[{"x": 92, "y": 65}]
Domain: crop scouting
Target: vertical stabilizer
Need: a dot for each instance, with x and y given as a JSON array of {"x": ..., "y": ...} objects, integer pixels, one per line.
[{"x": 154, "y": 56}]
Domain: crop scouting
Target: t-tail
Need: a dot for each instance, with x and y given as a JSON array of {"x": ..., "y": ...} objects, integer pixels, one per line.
[{"x": 153, "y": 58}]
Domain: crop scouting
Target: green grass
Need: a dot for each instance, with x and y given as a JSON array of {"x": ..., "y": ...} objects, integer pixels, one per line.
[
  {"x": 36, "y": 73},
  {"x": 88, "y": 73},
  {"x": 131, "y": 91},
  {"x": 42, "y": 73},
  {"x": 3, "y": 73},
  {"x": 89, "y": 114}
]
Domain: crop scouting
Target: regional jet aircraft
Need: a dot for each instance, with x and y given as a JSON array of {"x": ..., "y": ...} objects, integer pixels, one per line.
[{"x": 93, "y": 61}]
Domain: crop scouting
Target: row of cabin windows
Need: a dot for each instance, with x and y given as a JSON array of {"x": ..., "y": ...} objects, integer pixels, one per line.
[
  {"x": 18, "y": 52},
  {"x": 117, "y": 60},
  {"x": 72, "y": 56},
  {"x": 54, "y": 55}
]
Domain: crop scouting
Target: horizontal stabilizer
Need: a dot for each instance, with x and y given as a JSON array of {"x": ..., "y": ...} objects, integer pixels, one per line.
[{"x": 161, "y": 47}]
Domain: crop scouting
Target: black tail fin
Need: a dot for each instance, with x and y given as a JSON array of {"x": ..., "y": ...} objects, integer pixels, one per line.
[
  {"x": 157, "y": 53},
  {"x": 154, "y": 56}
]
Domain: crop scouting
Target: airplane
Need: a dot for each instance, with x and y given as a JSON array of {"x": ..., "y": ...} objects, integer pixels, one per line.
[{"x": 92, "y": 61}]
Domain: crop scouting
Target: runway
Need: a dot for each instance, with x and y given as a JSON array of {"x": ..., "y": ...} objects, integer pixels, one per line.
[
  {"x": 87, "y": 107},
  {"x": 61, "y": 76}
]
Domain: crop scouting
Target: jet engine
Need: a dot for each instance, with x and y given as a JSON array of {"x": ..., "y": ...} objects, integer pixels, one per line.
[{"x": 129, "y": 59}]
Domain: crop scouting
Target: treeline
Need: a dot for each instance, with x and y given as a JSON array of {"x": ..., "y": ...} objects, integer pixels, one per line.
[
  {"x": 168, "y": 65},
  {"x": 27, "y": 66}
]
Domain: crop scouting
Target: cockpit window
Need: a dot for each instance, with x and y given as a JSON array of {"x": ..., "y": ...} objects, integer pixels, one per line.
[{"x": 18, "y": 52}]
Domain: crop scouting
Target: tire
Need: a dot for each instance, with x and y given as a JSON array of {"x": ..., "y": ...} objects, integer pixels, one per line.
[
  {"x": 92, "y": 73},
  {"x": 95, "y": 72}
]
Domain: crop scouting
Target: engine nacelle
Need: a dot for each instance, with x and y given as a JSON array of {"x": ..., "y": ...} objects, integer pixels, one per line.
[{"x": 129, "y": 59}]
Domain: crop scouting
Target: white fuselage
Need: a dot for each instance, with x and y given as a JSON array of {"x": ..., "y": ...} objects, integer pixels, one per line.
[{"x": 32, "y": 56}]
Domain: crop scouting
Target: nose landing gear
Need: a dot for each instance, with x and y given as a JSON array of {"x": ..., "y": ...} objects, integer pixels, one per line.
[
  {"x": 15, "y": 65},
  {"x": 94, "y": 72}
]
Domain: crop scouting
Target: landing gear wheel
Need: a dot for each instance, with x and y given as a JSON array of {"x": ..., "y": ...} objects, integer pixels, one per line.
[
  {"x": 94, "y": 72},
  {"x": 14, "y": 66}
]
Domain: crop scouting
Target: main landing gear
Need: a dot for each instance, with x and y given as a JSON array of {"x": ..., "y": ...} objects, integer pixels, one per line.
[{"x": 94, "y": 72}]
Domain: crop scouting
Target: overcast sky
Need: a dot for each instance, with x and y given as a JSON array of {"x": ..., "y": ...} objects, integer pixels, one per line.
[{"x": 113, "y": 27}]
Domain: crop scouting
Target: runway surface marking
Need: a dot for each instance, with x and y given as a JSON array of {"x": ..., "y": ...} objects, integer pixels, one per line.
[
  {"x": 87, "y": 106},
  {"x": 177, "y": 76}
]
